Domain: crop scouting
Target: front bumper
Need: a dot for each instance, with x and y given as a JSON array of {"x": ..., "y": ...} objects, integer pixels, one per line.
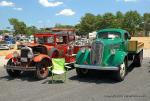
[
  {"x": 96, "y": 67},
  {"x": 20, "y": 68}
]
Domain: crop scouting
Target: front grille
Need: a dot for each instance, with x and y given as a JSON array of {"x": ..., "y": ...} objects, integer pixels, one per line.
[{"x": 96, "y": 53}]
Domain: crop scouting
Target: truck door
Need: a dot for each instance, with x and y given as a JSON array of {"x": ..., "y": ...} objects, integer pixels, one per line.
[{"x": 126, "y": 41}]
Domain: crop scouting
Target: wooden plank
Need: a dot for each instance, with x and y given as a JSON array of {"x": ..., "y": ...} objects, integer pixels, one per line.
[
  {"x": 132, "y": 46},
  {"x": 135, "y": 46}
]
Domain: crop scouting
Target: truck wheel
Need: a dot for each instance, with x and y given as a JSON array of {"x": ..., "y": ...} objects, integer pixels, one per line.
[
  {"x": 12, "y": 73},
  {"x": 42, "y": 70},
  {"x": 82, "y": 72},
  {"x": 121, "y": 73},
  {"x": 138, "y": 59}
]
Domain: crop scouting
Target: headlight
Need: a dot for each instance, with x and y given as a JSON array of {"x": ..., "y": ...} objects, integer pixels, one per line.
[
  {"x": 15, "y": 54},
  {"x": 113, "y": 51},
  {"x": 30, "y": 55}
]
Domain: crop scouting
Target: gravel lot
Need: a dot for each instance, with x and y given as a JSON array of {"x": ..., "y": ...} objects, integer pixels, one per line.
[{"x": 96, "y": 87}]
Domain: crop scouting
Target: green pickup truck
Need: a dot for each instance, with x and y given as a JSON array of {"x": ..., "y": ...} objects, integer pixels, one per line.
[{"x": 112, "y": 50}]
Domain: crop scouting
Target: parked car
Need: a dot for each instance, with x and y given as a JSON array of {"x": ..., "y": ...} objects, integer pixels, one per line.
[
  {"x": 111, "y": 51},
  {"x": 9, "y": 39},
  {"x": 37, "y": 56},
  {"x": 7, "y": 43},
  {"x": 6, "y": 46}
]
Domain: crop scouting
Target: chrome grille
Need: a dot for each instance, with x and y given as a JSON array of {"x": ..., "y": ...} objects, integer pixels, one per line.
[
  {"x": 24, "y": 52},
  {"x": 96, "y": 53}
]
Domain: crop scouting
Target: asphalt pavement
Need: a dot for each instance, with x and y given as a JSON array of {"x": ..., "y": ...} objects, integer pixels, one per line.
[{"x": 99, "y": 86}]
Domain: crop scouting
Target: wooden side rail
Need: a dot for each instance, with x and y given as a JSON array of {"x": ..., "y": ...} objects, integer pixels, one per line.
[{"x": 135, "y": 46}]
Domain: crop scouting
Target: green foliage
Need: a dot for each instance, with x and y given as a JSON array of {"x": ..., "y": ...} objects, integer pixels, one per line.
[
  {"x": 63, "y": 26},
  {"x": 87, "y": 24},
  {"x": 31, "y": 30},
  {"x": 43, "y": 30},
  {"x": 19, "y": 27},
  {"x": 4, "y": 31},
  {"x": 132, "y": 21},
  {"x": 119, "y": 19},
  {"x": 146, "y": 23},
  {"x": 108, "y": 20}
]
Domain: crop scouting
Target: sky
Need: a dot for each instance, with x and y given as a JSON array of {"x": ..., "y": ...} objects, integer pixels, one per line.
[{"x": 47, "y": 13}]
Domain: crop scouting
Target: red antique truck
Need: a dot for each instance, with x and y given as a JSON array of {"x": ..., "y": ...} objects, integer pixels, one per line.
[{"x": 37, "y": 56}]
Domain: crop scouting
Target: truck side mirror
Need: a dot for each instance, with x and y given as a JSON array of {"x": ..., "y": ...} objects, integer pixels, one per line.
[{"x": 129, "y": 37}]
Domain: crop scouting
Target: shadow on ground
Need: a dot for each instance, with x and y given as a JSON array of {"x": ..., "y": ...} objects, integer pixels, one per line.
[
  {"x": 97, "y": 77},
  {"x": 93, "y": 77},
  {"x": 25, "y": 76}
]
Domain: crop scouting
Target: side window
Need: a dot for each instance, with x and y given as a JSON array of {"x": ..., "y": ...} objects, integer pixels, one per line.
[
  {"x": 50, "y": 40},
  {"x": 59, "y": 40},
  {"x": 126, "y": 36}
]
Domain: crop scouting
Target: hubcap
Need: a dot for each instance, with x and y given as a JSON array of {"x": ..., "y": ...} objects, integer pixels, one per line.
[
  {"x": 43, "y": 71},
  {"x": 122, "y": 70}
]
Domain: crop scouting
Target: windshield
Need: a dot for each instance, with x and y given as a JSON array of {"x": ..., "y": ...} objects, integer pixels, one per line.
[
  {"x": 108, "y": 35},
  {"x": 45, "y": 39}
]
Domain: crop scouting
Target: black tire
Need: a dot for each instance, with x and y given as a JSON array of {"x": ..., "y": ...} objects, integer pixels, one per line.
[
  {"x": 121, "y": 73},
  {"x": 42, "y": 70},
  {"x": 12, "y": 73},
  {"x": 81, "y": 72},
  {"x": 138, "y": 59}
]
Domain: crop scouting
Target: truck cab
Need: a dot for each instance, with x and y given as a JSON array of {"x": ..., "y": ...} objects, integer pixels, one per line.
[{"x": 112, "y": 50}]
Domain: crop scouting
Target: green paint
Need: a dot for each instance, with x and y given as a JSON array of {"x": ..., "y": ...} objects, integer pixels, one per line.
[{"x": 119, "y": 45}]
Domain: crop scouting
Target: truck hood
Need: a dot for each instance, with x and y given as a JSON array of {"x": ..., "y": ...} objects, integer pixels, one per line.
[{"x": 35, "y": 44}]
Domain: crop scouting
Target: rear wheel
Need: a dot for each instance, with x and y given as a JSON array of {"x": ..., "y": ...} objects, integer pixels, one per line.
[
  {"x": 81, "y": 72},
  {"x": 42, "y": 70},
  {"x": 121, "y": 73},
  {"x": 12, "y": 73},
  {"x": 138, "y": 59}
]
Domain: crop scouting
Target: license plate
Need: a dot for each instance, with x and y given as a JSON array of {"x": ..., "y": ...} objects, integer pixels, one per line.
[{"x": 24, "y": 59}]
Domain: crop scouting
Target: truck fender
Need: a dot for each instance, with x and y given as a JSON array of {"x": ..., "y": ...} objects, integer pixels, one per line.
[
  {"x": 83, "y": 57},
  {"x": 9, "y": 56},
  {"x": 118, "y": 58},
  {"x": 40, "y": 58}
]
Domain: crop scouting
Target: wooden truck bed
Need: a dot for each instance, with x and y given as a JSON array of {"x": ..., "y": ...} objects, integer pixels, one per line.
[{"x": 135, "y": 46}]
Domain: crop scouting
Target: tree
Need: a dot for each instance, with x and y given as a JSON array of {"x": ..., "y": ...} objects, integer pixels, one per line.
[
  {"x": 99, "y": 22},
  {"x": 18, "y": 26},
  {"x": 132, "y": 21},
  {"x": 31, "y": 30},
  {"x": 119, "y": 19},
  {"x": 146, "y": 23},
  {"x": 87, "y": 24},
  {"x": 63, "y": 26},
  {"x": 4, "y": 31},
  {"x": 109, "y": 20}
]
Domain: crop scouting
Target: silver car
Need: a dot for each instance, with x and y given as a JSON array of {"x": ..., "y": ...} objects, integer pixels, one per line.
[{"x": 6, "y": 46}]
